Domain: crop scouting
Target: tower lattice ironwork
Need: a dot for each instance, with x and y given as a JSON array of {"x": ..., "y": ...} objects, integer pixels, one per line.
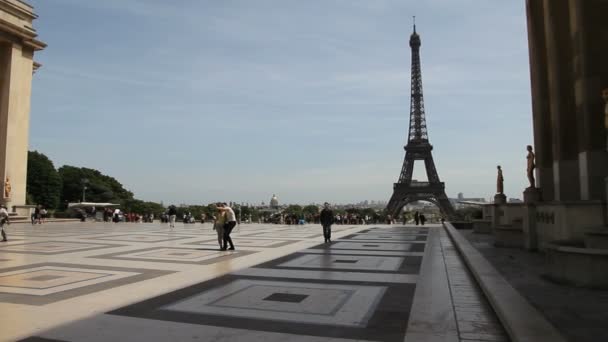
[{"x": 407, "y": 190}]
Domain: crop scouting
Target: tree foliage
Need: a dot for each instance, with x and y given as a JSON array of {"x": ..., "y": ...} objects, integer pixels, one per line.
[
  {"x": 142, "y": 207},
  {"x": 44, "y": 183},
  {"x": 468, "y": 213},
  {"x": 310, "y": 210},
  {"x": 100, "y": 187},
  {"x": 294, "y": 209}
]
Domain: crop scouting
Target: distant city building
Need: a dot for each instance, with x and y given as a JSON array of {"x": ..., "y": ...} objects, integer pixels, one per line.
[
  {"x": 274, "y": 202},
  {"x": 462, "y": 201}
]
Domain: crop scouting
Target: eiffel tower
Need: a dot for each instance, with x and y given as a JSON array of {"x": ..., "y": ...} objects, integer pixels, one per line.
[{"x": 418, "y": 147}]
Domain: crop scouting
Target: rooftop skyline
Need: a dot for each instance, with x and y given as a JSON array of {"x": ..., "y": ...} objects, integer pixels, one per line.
[{"x": 310, "y": 100}]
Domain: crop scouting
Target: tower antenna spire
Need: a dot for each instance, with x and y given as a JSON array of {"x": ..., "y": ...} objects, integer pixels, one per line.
[{"x": 414, "y": 23}]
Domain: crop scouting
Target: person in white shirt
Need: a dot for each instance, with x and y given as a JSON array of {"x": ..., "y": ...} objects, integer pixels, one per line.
[
  {"x": 4, "y": 219},
  {"x": 228, "y": 226},
  {"x": 116, "y": 215}
]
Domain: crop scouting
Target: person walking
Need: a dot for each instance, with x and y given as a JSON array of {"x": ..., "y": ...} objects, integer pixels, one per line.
[
  {"x": 326, "y": 218},
  {"x": 228, "y": 226},
  {"x": 218, "y": 226},
  {"x": 422, "y": 219},
  {"x": 37, "y": 215},
  {"x": 116, "y": 215},
  {"x": 417, "y": 218},
  {"x": 4, "y": 220},
  {"x": 43, "y": 214},
  {"x": 172, "y": 215}
]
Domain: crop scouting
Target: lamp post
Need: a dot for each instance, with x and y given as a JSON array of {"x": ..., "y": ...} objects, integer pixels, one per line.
[{"x": 84, "y": 182}]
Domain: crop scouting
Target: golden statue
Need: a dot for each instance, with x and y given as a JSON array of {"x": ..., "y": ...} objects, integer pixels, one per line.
[
  {"x": 499, "y": 181},
  {"x": 531, "y": 166},
  {"x": 7, "y": 188}
]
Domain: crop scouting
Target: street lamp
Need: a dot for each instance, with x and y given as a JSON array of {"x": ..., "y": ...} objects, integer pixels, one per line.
[{"x": 84, "y": 182}]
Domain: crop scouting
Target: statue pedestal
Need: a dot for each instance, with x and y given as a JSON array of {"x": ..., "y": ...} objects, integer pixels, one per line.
[
  {"x": 500, "y": 199},
  {"x": 6, "y": 201},
  {"x": 531, "y": 195}
]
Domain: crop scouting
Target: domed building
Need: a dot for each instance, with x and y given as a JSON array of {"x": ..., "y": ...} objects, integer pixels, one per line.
[
  {"x": 271, "y": 213},
  {"x": 274, "y": 202}
]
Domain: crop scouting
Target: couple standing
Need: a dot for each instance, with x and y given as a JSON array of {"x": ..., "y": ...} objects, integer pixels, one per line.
[{"x": 224, "y": 223}]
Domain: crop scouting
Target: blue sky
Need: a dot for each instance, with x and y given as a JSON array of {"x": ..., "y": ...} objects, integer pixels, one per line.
[{"x": 193, "y": 101}]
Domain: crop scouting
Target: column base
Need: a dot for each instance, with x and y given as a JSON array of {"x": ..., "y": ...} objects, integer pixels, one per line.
[{"x": 529, "y": 227}]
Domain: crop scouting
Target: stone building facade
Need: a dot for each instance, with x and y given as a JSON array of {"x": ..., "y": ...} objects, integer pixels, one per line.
[
  {"x": 568, "y": 42},
  {"x": 17, "y": 46}
]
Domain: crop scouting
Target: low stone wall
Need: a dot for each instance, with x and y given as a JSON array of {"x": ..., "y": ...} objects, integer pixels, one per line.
[
  {"x": 462, "y": 224},
  {"x": 482, "y": 226},
  {"x": 511, "y": 212},
  {"x": 578, "y": 266},
  {"x": 597, "y": 239},
  {"x": 23, "y": 210},
  {"x": 558, "y": 221},
  {"x": 508, "y": 236}
]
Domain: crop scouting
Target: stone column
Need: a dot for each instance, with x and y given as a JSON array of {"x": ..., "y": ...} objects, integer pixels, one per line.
[
  {"x": 561, "y": 101},
  {"x": 589, "y": 28},
  {"x": 16, "y": 67},
  {"x": 541, "y": 112}
]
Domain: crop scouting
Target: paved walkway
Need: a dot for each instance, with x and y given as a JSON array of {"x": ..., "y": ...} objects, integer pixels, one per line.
[{"x": 143, "y": 282}]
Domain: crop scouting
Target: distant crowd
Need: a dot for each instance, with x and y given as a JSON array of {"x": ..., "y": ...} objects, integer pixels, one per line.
[{"x": 116, "y": 215}]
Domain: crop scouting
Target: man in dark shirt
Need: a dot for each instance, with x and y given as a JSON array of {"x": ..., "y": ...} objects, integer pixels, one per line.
[
  {"x": 172, "y": 215},
  {"x": 327, "y": 218}
]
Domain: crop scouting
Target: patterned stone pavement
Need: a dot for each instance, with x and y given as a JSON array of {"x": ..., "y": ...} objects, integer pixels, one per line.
[{"x": 145, "y": 282}]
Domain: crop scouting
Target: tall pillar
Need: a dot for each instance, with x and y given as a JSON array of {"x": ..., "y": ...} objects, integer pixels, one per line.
[
  {"x": 541, "y": 112},
  {"x": 561, "y": 100},
  {"x": 589, "y": 28},
  {"x": 17, "y": 45},
  {"x": 17, "y": 67}
]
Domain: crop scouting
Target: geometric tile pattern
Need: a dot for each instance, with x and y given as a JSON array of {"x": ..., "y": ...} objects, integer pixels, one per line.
[
  {"x": 348, "y": 305},
  {"x": 271, "y": 297},
  {"x": 376, "y": 246},
  {"x": 40, "y": 284},
  {"x": 52, "y": 247},
  {"x": 141, "y": 238},
  {"x": 286, "y": 297},
  {"x": 249, "y": 242},
  {"x": 387, "y": 237},
  {"x": 351, "y": 262},
  {"x": 360, "y": 287},
  {"x": 286, "y": 235},
  {"x": 39, "y": 281},
  {"x": 177, "y": 255}
]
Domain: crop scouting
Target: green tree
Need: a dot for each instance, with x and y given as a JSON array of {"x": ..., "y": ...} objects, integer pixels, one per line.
[
  {"x": 44, "y": 184},
  {"x": 310, "y": 210},
  {"x": 250, "y": 213},
  {"x": 468, "y": 213},
  {"x": 142, "y": 207},
  {"x": 100, "y": 187},
  {"x": 294, "y": 209}
]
